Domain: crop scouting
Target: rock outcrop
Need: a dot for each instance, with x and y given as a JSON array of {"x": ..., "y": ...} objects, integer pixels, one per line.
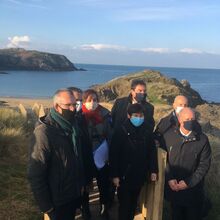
[
  {"x": 20, "y": 59},
  {"x": 160, "y": 89}
]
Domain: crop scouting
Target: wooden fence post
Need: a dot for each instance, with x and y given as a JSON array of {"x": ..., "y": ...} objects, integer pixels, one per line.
[
  {"x": 152, "y": 193},
  {"x": 41, "y": 112},
  {"x": 23, "y": 110},
  {"x": 35, "y": 109}
]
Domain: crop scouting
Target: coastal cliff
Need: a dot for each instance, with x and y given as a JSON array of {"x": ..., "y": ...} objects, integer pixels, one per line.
[{"x": 21, "y": 59}]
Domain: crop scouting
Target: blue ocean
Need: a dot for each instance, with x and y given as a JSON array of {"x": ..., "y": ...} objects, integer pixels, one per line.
[{"x": 43, "y": 84}]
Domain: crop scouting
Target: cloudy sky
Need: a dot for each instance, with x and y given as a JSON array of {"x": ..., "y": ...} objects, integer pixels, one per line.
[{"x": 173, "y": 33}]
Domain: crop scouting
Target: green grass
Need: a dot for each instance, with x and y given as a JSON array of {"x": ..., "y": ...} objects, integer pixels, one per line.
[
  {"x": 155, "y": 100},
  {"x": 16, "y": 202}
]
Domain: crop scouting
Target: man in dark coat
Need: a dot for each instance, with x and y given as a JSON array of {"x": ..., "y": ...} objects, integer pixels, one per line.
[
  {"x": 189, "y": 157},
  {"x": 86, "y": 145},
  {"x": 137, "y": 95},
  {"x": 55, "y": 169},
  {"x": 132, "y": 159},
  {"x": 171, "y": 120}
]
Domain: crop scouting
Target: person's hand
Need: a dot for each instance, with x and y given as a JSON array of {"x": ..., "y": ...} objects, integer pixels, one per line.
[
  {"x": 182, "y": 185},
  {"x": 153, "y": 177},
  {"x": 51, "y": 214},
  {"x": 173, "y": 184},
  {"x": 116, "y": 181},
  {"x": 157, "y": 143}
]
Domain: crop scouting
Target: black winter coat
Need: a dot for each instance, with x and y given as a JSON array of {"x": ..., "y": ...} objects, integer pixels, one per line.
[
  {"x": 166, "y": 123},
  {"x": 189, "y": 160},
  {"x": 132, "y": 155},
  {"x": 86, "y": 145},
  {"x": 55, "y": 172},
  {"x": 119, "y": 112}
]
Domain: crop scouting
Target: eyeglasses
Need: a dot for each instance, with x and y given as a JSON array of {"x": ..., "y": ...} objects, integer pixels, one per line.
[{"x": 68, "y": 105}]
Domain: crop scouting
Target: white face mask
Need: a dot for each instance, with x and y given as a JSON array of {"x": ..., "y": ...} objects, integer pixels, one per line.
[
  {"x": 78, "y": 105},
  {"x": 178, "y": 109},
  {"x": 91, "y": 105}
]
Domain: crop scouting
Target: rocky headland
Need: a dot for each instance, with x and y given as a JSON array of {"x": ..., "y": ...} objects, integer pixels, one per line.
[
  {"x": 161, "y": 92},
  {"x": 31, "y": 60},
  {"x": 160, "y": 89}
]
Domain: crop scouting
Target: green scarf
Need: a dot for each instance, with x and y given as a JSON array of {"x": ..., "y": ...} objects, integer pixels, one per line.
[{"x": 67, "y": 127}]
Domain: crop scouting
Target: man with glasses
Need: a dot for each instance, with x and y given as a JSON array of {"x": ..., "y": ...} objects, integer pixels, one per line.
[{"x": 55, "y": 169}]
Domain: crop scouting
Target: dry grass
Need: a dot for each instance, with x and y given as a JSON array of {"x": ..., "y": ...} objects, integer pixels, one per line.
[
  {"x": 16, "y": 201},
  {"x": 13, "y": 133}
]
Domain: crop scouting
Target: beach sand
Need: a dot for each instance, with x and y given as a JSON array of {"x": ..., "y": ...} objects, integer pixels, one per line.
[
  {"x": 29, "y": 102},
  {"x": 26, "y": 102}
]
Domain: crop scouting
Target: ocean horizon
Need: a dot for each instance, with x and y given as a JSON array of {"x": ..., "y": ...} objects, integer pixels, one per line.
[{"x": 40, "y": 84}]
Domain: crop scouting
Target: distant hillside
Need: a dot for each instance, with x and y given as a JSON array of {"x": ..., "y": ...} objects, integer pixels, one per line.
[
  {"x": 20, "y": 59},
  {"x": 160, "y": 89}
]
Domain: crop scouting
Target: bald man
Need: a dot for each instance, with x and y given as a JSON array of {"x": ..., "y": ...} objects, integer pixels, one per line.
[
  {"x": 55, "y": 169},
  {"x": 171, "y": 120},
  {"x": 189, "y": 157}
]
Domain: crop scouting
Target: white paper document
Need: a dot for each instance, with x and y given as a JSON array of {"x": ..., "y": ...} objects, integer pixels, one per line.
[{"x": 101, "y": 155}]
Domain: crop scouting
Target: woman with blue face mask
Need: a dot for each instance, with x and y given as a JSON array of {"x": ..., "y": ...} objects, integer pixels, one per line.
[{"x": 133, "y": 160}]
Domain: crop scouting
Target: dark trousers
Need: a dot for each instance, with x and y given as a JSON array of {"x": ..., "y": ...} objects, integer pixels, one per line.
[
  {"x": 192, "y": 212},
  {"x": 104, "y": 185},
  {"x": 127, "y": 202},
  {"x": 65, "y": 212}
]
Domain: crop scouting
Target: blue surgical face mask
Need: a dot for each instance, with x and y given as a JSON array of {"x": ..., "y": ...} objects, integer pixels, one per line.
[{"x": 137, "y": 121}]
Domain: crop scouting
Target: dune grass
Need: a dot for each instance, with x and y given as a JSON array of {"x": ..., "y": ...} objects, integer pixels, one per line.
[
  {"x": 13, "y": 128},
  {"x": 16, "y": 201}
]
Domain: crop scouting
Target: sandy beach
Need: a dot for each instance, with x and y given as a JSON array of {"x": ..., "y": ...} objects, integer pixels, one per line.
[{"x": 26, "y": 102}]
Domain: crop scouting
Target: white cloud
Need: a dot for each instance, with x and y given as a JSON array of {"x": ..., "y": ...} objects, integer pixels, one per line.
[
  {"x": 18, "y": 41},
  {"x": 190, "y": 51},
  {"x": 155, "y": 50},
  {"x": 101, "y": 47}
]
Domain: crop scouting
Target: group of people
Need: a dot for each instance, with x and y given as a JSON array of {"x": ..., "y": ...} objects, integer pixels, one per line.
[{"x": 79, "y": 140}]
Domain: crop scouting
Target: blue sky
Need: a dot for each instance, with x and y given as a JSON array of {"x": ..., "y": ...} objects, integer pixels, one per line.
[{"x": 141, "y": 32}]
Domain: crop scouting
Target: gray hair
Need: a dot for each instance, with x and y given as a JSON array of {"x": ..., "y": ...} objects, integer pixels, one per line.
[
  {"x": 56, "y": 97},
  {"x": 187, "y": 109}
]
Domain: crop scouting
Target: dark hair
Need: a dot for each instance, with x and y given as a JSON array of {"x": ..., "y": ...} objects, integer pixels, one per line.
[
  {"x": 136, "y": 82},
  {"x": 135, "y": 108},
  {"x": 89, "y": 92},
  {"x": 75, "y": 89}
]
